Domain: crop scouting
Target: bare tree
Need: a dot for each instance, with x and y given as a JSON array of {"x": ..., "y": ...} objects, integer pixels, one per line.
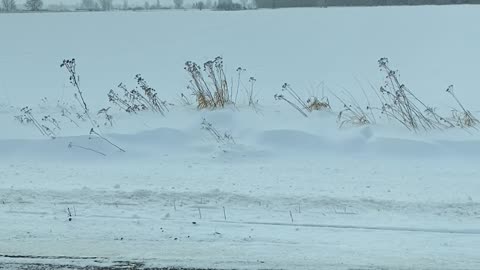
[
  {"x": 125, "y": 5},
  {"x": 244, "y": 3},
  {"x": 89, "y": 5},
  {"x": 209, "y": 4},
  {"x": 34, "y": 5},
  {"x": 105, "y": 4},
  {"x": 199, "y": 5},
  {"x": 178, "y": 3},
  {"x": 9, "y": 5}
]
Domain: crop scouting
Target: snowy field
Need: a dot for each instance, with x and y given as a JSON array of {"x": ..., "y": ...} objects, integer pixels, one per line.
[{"x": 288, "y": 192}]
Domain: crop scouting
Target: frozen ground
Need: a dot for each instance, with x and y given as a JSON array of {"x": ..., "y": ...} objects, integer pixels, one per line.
[{"x": 290, "y": 193}]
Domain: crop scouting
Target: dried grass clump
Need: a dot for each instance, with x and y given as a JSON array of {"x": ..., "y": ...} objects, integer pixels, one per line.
[
  {"x": 294, "y": 100},
  {"x": 137, "y": 100},
  {"x": 213, "y": 92},
  {"x": 70, "y": 66},
  {"x": 225, "y": 138},
  {"x": 210, "y": 87},
  {"x": 316, "y": 104},
  {"x": 353, "y": 116},
  {"x": 463, "y": 118},
  {"x": 401, "y": 104},
  {"x": 151, "y": 96},
  {"x": 28, "y": 118}
]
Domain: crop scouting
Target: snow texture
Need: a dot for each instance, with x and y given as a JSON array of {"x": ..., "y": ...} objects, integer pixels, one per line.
[{"x": 290, "y": 193}]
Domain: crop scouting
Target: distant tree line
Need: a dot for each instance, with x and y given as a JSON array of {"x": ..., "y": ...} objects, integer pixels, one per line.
[
  {"x": 225, "y": 5},
  {"x": 333, "y": 3},
  {"x": 11, "y": 5},
  {"x": 96, "y": 5},
  {"x": 107, "y": 5},
  {"x": 34, "y": 5},
  {"x": 93, "y": 5}
]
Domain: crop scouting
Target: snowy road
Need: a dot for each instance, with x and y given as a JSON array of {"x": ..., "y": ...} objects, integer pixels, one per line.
[
  {"x": 277, "y": 199},
  {"x": 255, "y": 225}
]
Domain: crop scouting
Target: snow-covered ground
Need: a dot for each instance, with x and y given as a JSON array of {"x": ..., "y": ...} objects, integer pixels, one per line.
[{"x": 289, "y": 193}]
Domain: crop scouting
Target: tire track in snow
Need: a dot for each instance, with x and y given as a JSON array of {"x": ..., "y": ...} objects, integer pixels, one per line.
[{"x": 375, "y": 228}]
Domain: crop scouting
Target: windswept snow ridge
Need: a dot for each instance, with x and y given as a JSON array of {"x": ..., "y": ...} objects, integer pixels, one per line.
[{"x": 344, "y": 199}]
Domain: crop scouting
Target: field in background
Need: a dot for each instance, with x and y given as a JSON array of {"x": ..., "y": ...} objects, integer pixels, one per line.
[{"x": 304, "y": 47}]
